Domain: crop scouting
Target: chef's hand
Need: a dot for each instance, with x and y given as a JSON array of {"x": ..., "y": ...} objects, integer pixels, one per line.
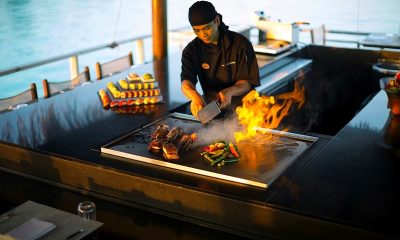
[
  {"x": 196, "y": 105},
  {"x": 239, "y": 88},
  {"x": 224, "y": 98},
  {"x": 197, "y": 101}
]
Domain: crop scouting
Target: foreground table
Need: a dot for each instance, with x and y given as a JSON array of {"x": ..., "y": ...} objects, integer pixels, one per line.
[{"x": 67, "y": 225}]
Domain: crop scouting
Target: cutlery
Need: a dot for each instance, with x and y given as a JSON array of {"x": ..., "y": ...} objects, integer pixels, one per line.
[{"x": 75, "y": 233}]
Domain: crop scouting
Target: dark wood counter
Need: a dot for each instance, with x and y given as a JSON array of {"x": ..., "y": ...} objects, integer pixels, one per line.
[
  {"x": 355, "y": 178},
  {"x": 56, "y": 142}
]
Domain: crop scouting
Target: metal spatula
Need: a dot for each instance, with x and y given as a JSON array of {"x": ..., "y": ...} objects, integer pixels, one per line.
[{"x": 209, "y": 112}]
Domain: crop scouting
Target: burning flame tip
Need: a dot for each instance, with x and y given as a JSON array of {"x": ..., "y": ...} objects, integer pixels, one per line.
[
  {"x": 266, "y": 111},
  {"x": 193, "y": 136}
]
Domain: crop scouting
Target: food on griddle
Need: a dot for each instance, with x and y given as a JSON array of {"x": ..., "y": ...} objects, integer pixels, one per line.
[
  {"x": 153, "y": 100},
  {"x": 113, "y": 90},
  {"x": 122, "y": 103},
  {"x": 133, "y": 77},
  {"x": 170, "y": 151},
  {"x": 156, "y": 145},
  {"x": 172, "y": 142},
  {"x": 220, "y": 153},
  {"x": 185, "y": 142},
  {"x": 147, "y": 77},
  {"x": 161, "y": 132},
  {"x": 105, "y": 99},
  {"x": 123, "y": 83},
  {"x": 175, "y": 134},
  {"x": 114, "y": 104},
  {"x": 130, "y": 102},
  {"x": 139, "y": 101}
]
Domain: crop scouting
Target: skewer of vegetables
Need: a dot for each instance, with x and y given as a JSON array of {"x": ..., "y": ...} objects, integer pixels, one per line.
[{"x": 221, "y": 153}]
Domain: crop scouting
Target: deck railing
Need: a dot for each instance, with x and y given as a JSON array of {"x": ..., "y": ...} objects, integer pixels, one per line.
[
  {"x": 73, "y": 56},
  {"x": 139, "y": 50},
  {"x": 345, "y": 37}
]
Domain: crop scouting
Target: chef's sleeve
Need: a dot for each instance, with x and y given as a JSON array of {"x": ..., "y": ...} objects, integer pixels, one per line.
[{"x": 188, "y": 71}]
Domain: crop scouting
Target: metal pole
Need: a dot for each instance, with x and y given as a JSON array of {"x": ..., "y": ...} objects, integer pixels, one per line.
[{"x": 160, "y": 40}]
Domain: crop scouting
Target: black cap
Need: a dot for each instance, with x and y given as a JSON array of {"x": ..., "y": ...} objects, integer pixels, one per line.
[{"x": 201, "y": 12}]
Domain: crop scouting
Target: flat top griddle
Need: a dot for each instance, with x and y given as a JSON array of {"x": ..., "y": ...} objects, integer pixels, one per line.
[{"x": 261, "y": 162}]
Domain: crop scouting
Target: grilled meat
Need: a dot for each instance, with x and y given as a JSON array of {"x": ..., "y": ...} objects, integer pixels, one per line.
[
  {"x": 170, "y": 151},
  {"x": 185, "y": 142},
  {"x": 170, "y": 142},
  {"x": 161, "y": 132},
  {"x": 155, "y": 146},
  {"x": 175, "y": 134}
]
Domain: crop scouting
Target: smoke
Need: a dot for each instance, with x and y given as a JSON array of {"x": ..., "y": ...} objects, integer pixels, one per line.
[
  {"x": 224, "y": 128},
  {"x": 219, "y": 129},
  {"x": 327, "y": 98}
]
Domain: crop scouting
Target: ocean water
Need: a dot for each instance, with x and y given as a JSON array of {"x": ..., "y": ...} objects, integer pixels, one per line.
[{"x": 33, "y": 30}]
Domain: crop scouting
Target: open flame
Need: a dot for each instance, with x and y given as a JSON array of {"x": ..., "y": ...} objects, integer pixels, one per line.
[
  {"x": 266, "y": 111},
  {"x": 193, "y": 136}
]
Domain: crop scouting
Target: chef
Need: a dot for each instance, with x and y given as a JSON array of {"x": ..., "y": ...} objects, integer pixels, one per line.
[{"x": 222, "y": 61}]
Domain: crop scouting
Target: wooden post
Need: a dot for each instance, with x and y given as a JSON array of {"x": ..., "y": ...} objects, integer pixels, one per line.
[
  {"x": 130, "y": 56},
  {"x": 87, "y": 74},
  {"x": 73, "y": 66},
  {"x": 98, "y": 71},
  {"x": 160, "y": 38},
  {"x": 139, "y": 51},
  {"x": 46, "y": 88},
  {"x": 34, "y": 91}
]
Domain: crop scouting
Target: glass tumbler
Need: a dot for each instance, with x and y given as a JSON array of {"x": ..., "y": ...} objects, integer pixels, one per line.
[{"x": 87, "y": 210}]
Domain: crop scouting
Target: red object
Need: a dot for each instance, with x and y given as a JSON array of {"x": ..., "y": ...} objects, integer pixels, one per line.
[
  {"x": 114, "y": 104},
  {"x": 397, "y": 76},
  {"x": 394, "y": 103},
  {"x": 397, "y": 79},
  {"x": 131, "y": 102},
  {"x": 122, "y": 103},
  {"x": 206, "y": 149},
  {"x": 233, "y": 151}
]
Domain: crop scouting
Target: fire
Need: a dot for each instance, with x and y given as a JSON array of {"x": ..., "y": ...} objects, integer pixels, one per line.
[
  {"x": 266, "y": 111},
  {"x": 193, "y": 136}
]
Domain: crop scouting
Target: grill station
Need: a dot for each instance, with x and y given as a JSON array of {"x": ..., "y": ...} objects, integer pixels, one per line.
[
  {"x": 297, "y": 186},
  {"x": 262, "y": 160},
  {"x": 275, "y": 37}
]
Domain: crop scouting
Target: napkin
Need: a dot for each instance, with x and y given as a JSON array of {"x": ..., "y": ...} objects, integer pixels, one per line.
[{"x": 31, "y": 230}]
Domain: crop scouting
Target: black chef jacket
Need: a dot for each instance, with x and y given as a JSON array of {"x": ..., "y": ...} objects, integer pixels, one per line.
[{"x": 219, "y": 67}]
